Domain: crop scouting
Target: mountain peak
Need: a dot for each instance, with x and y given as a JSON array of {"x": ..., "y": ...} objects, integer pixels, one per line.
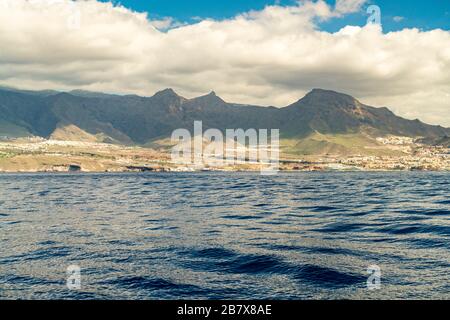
[
  {"x": 168, "y": 96},
  {"x": 322, "y": 97},
  {"x": 169, "y": 92},
  {"x": 210, "y": 98},
  {"x": 323, "y": 93}
]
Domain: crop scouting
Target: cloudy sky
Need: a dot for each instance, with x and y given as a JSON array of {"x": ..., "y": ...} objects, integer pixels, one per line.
[{"x": 256, "y": 51}]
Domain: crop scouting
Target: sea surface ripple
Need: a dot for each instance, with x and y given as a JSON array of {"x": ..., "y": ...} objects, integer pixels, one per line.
[{"x": 225, "y": 235}]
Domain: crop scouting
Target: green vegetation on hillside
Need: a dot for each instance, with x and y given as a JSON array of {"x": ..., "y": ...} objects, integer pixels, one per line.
[{"x": 338, "y": 144}]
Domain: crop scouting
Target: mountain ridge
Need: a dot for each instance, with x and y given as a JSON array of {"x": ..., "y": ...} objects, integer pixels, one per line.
[{"x": 136, "y": 120}]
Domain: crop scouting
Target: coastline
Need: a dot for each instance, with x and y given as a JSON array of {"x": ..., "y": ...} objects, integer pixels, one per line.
[
  {"x": 55, "y": 172},
  {"x": 54, "y": 156}
]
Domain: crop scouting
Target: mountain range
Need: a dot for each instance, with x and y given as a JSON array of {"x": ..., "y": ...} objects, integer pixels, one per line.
[{"x": 322, "y": 121}]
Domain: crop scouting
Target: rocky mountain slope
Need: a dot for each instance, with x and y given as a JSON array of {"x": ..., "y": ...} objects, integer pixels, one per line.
[{"x": 135, "y": 120}]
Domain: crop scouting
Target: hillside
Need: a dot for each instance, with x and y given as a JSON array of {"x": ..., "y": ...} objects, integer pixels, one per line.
[{"x": 321, "y": 122}]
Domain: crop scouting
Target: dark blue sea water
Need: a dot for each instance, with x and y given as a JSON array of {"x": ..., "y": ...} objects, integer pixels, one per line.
[{"x": 225, "y": 235}]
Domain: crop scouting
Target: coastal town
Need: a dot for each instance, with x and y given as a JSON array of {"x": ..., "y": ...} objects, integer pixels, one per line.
[
  {"x": 413, "y": 156},
  {"x": 36, "y": 154}
]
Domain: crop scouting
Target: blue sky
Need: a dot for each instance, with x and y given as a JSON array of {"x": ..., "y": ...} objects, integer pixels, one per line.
[{"x": 421, "y": 14}]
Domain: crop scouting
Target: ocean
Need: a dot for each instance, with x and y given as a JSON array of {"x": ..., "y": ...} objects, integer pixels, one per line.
[{"x": 222, "y": 235}]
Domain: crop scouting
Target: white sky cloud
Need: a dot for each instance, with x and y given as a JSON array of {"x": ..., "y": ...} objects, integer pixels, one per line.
[
  {"x": 269, "y": 57},
  {"x": 349, "y": 6}
]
